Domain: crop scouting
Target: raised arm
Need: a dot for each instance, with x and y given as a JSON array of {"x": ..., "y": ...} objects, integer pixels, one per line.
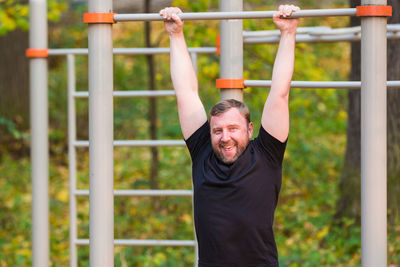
[
  {"x": 275, "y": 117},
  {"x": 190, "y": 108}
]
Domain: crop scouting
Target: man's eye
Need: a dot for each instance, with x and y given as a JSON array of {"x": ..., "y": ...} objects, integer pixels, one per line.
[{"x": 233, "y": 128}]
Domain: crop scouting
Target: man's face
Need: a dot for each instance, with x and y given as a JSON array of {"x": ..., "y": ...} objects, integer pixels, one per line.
[{"x": 230, "y": 135}]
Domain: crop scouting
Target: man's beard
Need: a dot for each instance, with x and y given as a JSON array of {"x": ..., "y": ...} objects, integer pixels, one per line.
[{"x": 220, "y": 155}]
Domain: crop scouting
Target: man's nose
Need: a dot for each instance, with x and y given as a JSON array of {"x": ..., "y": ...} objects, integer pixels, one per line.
[{"x": 225, "y": 136}]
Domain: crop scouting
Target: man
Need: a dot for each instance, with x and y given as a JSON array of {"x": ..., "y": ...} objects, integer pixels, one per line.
[{"x": 236, "y": 181}]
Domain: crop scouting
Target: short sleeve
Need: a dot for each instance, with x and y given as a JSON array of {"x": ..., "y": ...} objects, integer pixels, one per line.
[
  {"x": 198, "y": 140},
  {"x": 271, "y": 147}
]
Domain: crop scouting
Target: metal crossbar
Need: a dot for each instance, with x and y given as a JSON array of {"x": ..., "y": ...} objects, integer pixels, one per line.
[
  {"x": 318, "y": 31},
  {"x": 142, "y": 193},
  {"x": 141, "y": 242},
  {"x": 317, "y": 34},
  {"x": 130, "y": 51},
  {"x": 318, "y": 84},
  {"x": 144, "y": 93},
  {"x": 136, "y": 143},
  {"x": 238, "y": 15}
]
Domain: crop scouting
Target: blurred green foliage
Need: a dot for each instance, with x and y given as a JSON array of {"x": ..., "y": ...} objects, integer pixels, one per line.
[
  {"x": 14, "y": 14},
  {"x": 303, "y": 225}
]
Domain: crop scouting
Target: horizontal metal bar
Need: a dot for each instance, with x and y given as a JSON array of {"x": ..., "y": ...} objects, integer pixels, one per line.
[
  {"x": 238, "y": 15},
  {"x": 139, "y": 242},
  {"x": 147, "y": 93},
  {"x": 315, "y": 38},
  {"x": 301, "y": 39},
  {"x": 393, "y": 27},
  {"x": 131, "y": 51},
  {"x": 147, "y": 193},
  {"x": 68, "y": 51},
  {"x": 162, "y": 50},
  {"x": 316, "y": 34},
  {"x": 137, "y": 143},
  {"x": 299, "y": 30},
  {"x": 337, "y": 31},
  {"x": 317, "y": 84}
]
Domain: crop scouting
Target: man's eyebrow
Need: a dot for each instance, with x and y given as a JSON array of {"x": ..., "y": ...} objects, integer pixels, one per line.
[{"x": 229, "y": 125}]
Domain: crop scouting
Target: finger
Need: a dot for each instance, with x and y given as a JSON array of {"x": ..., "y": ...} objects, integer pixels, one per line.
[
  {"x": 165, "y": 12},
  {"x": 294, "y": 8},
  {"x": 162, "y": 12},
  {"x": 287, "y": 10},
  {"x": 282, "y": 10},
  {"x": 176, "y": 18}
]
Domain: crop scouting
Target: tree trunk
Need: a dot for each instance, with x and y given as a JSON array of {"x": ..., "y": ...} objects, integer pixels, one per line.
[
  {"x": 14, "y": 93},
  {"x": 349, "y": 203},
  {"x": 393, "y": 111},
  {"x": 14, "y": 78},
  {"x": 152, "y": 115}
]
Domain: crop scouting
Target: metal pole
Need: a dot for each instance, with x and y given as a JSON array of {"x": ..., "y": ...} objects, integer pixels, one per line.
[
  {"x": 238, "y": 15},
  {"x": 231, "y": 58},
  {"x": 39, "y": 135},
  {"x": 144, "y": 242},
  {"x": 318, "y": 84},
  {"x": 193, "y": 56},
  {"x": 73, "y": 258},
  {"x": 373, "y": 139},
  {"x": 142, "y": 192},
  {"x": 101, "y": 199},
  {"x": 132, "y": 51},
  {"x": 136, "y": 93},
  {"x": 138, "y": 143}
]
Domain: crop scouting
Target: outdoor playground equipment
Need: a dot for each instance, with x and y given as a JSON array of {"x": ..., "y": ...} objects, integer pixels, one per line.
[{"x": 373, "y": 86}]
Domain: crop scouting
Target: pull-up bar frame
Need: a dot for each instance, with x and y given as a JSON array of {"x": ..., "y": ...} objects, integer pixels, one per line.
[
  {"x": 373, "y": 91},
  {"x": 238, "y": 15}
]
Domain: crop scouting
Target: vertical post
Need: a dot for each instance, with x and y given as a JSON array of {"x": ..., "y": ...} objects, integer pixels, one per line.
[
  {"x": 73, "y": 259},
  {"x": 373, "y": 139},
  {"x": 39, "y": 135},
  {"x": 231, "y": 60},
  {"x": 193, "y": 56},
  {"x": 101, "y": 198}
]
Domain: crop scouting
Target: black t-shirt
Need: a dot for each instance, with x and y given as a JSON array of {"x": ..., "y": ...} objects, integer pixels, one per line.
[{"x": 234, "y": 204}]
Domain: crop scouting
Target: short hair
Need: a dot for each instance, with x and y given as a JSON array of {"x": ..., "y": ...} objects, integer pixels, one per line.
[{"x": 225, "y": 105}]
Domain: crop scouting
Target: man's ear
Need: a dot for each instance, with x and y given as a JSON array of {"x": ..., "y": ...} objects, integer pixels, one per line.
[{"x": 250, "y": 130}]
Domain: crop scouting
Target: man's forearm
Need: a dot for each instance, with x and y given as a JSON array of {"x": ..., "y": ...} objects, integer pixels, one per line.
[
  {"x": 182, "y": 72},
  {"x": 284, "y": 64}
]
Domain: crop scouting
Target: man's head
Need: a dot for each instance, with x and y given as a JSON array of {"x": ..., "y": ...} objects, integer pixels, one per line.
[{"x": 231, "y": 129}]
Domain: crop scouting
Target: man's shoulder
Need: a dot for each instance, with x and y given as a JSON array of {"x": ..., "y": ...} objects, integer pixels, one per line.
[
  {"x": 202, "y": 131},
  {"x": 199, "y": 140},
  {"x": 269, "y": 147}
]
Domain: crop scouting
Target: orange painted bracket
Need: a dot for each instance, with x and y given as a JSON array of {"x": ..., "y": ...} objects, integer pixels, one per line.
[
  {"x": 98, "y": 18},
  {"x": 229, "y": 83},
  {"x": 218, "y": 44},
  {"x": 33, "y": 52},
  {"x": 374, "y": 11}
]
